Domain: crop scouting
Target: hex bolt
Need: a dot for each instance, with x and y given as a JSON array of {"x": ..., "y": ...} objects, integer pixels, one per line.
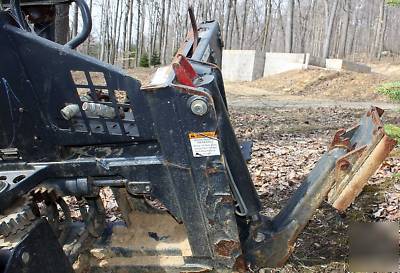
[
  {"x": 25, "y": 257},
  {"x": 199, "y": 106}
]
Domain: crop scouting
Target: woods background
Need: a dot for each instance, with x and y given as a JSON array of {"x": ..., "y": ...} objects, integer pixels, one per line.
[{"x": 134, "y": 33}]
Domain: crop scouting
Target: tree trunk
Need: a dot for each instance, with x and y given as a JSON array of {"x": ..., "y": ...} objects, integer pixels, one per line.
[
  {"x": 125, "y": 33},
  {"x": 280, "y": 38},
  {"x": 379, "y": 29},
  {"x": 343, "y": 37},
  {"x": 137, "y": 57},
  {"x": 164, "y": 58},
  {"x": 117, "y": 40},
  {"x": 75, "y": 21},
  {"x": 88, "y": 39},
  {"x": 243, "y": 24},
  {"x": 237, "y": 42},
  {"x": 226, "y": 22},
  {"x": 382, "y": 40},
  {"x": 289, "y": 27},
  {"x": 267, "y": 22},
  {"x": 103, "y": 28},
  {"x": 141, "y": 47},
  {"x": 232, "y": 24},
  {"x": 129, "y": 39},
  {"x": 62, "y": 23},
  {"x": 352, "y": 31},
  {"x": 114, "y": 34},
  {"x": 161, "y": 26},
  {"x": 330, "y": 17}
]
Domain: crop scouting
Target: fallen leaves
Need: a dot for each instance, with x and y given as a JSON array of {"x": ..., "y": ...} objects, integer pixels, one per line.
[{"x": 287, "y": 144}]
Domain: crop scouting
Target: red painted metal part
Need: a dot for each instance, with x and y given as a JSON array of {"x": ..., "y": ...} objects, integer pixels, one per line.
[{"x": 184, "y": 71}]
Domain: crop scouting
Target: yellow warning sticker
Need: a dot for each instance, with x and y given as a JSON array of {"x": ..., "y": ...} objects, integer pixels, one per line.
[
  {"x": 204, "y": 144},
  {"x": 203, "y": 135}
]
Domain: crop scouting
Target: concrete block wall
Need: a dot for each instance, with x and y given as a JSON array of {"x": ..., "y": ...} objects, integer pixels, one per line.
[
  {"x": 339, "y": 64},
  {"x": 315, "y": 61},
  {"x": 276, "y": 63},
  {"x": 249, "y": 65},
  {"x": 242, "y": 65}
]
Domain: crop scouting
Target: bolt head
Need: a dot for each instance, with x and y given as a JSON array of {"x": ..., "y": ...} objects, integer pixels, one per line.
[{"x": 199, "y": 107}]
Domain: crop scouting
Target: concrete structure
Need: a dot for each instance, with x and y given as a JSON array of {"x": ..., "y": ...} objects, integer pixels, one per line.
[
  {"x": 242, "y": 65},
  {"x": 315, "y": 61},
  {"x": 276, "y": 63},
  {"x": 339, "y": 64},
  {"x": 249, "y": 65}
]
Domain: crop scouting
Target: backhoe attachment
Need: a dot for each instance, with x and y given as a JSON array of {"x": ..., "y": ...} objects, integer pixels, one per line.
[
  {"x": 338, "y": 177},
  {"x": 74, "y": 129}
]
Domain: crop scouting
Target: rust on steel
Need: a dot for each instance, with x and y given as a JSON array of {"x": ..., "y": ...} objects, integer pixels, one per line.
[
  {"x": 194, "y": 28},
  {"x": 338, "y": 140},
  {"x": 225, "y": 248},
  {"x": 366, "y": 170},
  {"x": 353, "y": 170}
]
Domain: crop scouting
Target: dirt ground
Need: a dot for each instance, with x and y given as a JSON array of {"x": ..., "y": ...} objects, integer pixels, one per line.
[
  {"x": 318, "y": 84},
  {"x": 291, "y": 118}
]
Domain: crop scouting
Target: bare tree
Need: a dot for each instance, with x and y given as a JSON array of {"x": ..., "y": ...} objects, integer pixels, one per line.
[
  {"x": 137, "y": 57},
  {"x": 382, "y": 40},
  {"x": 227, "y": 19},
  {"x": 267, "y": 22},
  {"x": 243, "y": 24},
  {"x": 89, "y": 38},
  {"x": 62, "y": 23},
  {"x": 345, "y": 29},
  {"x": 162, "y": 20},
  {"x": 330, "y": 13},
  {"x": 289, "y": 27},
  {"x": 126, "y": 32},
  {"x": 75, "y": 21},
  {"x": 166, "y": 32},
  {"x": 358, "y": 30},
  {"x": 379, "y": 29}
]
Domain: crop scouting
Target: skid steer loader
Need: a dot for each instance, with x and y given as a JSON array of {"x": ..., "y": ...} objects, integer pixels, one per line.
[{"x": 71, "y": 126}]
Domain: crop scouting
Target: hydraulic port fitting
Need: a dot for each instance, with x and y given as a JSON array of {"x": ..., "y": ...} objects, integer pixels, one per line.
[
  {"x": 70, "y": 111},
  {"x": 98, "y": 109}
]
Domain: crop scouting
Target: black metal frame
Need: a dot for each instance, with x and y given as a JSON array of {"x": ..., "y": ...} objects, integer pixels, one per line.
[{"x": 150, "y": 145}]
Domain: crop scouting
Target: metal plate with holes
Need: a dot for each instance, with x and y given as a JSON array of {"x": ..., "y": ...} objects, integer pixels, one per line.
[{"x": 137, "y": 187}]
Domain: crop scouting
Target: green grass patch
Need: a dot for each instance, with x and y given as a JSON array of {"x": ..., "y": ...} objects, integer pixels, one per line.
[
  {"x": 393, "y": 2},
  {"x": 390, "y": 89},
  {"x": 393, "y": 131}
]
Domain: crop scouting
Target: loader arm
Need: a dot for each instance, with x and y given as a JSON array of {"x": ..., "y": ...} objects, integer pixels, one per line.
[{"x": 72, "y": 126}]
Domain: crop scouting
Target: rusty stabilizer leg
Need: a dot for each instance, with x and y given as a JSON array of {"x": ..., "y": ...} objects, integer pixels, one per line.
[{"x": 340, "y": 175}]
